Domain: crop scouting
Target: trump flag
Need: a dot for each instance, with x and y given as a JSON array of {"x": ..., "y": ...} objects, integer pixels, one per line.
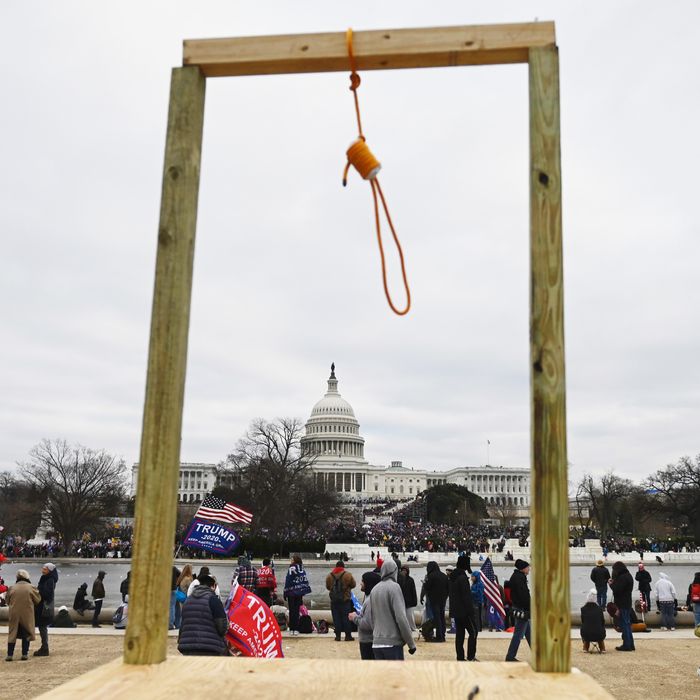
[{"x": 252, "y": 628}]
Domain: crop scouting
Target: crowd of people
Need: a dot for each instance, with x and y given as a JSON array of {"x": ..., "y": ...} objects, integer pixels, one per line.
[
  {"x": 623, "y": 608},
  {"x": 618, "y": 545},
  {"x": 384, "y": 620},
  {"x": 84, "y": 548}
]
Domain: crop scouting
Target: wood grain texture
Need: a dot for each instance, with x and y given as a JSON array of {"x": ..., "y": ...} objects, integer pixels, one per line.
[
  {"x": 374, "y": 50},
  {"x": 549, "y": 502},
  {"x": 156, "y": 496},
  {"x": 287, "y": 679}
]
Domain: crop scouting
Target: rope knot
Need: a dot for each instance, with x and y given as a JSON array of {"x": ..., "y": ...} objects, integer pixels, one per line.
[{"x": 368, "y": 166}]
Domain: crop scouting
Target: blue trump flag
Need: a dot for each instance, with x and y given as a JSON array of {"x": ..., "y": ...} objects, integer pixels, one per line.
[{"x": 211, "y": 536}]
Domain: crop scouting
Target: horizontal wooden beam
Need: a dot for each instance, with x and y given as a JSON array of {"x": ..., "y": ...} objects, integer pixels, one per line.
[
  {"x": 374, "y": 50},
  {"x": 289, "y": 679}
]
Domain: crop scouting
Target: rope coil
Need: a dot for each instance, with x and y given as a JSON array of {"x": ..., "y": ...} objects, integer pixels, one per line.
[{"x": 365, "y": 162}]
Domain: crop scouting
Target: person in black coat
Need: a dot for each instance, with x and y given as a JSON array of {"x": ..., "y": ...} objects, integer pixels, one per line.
[
  {"x": 643, "y": 578},
  {"x": 410, "y": 598},
  {"x": 370, "y": 579},
  {"x": 436, "y": 589},
  {"x": 462, "y": 610},
  {"x": 600, "y": 577},
  {"x": 520, "y": 607},
  {"x": 124, "y": 586},
  {"x": 592, "y": 623},
  {"x": 622, "y": 585},
  {"x": 80, "y": 602},
  {"x": 43, "y": 613}
]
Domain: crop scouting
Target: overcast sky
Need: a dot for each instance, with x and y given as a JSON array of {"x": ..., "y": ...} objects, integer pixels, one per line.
[{"x": 287, "y": 274}]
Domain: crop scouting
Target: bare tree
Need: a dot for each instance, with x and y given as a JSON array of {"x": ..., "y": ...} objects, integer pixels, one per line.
[
  {"x": 268, "y": 474},
  {"x": 506, "y": 513},
  {"x": 677, "y": 490},
  {"x": 605, "y": 497},
  {"x": 79, "y": 485}
]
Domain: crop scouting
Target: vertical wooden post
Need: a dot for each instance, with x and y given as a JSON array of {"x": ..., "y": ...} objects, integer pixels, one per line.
[
  {"x": 551, "y": 619},
  {"x": 156, "y": 495}
]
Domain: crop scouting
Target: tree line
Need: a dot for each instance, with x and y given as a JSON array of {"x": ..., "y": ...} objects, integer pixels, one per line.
[
  {"x": 73, "y": 488},
  {"x": 668, "y": 497}
]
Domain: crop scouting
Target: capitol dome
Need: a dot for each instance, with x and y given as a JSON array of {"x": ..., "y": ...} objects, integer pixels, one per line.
[{"x": 332, "y": 431}]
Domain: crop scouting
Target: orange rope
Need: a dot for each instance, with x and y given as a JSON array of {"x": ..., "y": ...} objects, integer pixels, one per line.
[{"x": 368, "y": 166}]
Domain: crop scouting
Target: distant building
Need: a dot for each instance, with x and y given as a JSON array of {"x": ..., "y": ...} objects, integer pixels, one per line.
[
  {"x": 196, "y": 481},
  {"x": 333, "y": 440}
]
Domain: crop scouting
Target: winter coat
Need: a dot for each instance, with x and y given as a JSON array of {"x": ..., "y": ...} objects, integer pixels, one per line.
[
  {"x": 22, "y": 597},
  {"x": 689, "y": 603},
  {"x": 600, "y": 576},
  {"x": 98, "y": 587},
  {"x": 644, "y": 579},
  {"x": 80, "y": 601},
  {"x": 436, "y": 587},
  {"x": 408, "y": 588},
  {"x": 461, "y": 601},
  {"x": 204, "y": 624},
  {"x": 389, "y": 622},
  {"x": 266, "y": 578},
  {"x": 592, "y": 623},
  {"x": 622, "y": 585},
  {"x": 665, "y": 590},
  {"x": 519, "y": 591},
  {"x": 347, "y": 582},
  {"x": 43, "y": 612},
  {"x": 364, "y": 622},
  {"x": 124, "y": 586}
]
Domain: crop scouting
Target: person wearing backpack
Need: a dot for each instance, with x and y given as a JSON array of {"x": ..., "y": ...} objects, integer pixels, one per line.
[
  {"x": 693, "y": 600},
  {"x": 339, "y": 584}
]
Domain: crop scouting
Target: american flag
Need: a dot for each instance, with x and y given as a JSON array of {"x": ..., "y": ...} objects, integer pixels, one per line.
[
  {"x": 488, "y": 578},
  {"x": 214, "y": 508}
]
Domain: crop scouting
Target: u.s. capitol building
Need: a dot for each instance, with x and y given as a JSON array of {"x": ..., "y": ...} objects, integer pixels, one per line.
[
  {"x": 332, "y": 440},
  {"x": 336, "y": 450}
]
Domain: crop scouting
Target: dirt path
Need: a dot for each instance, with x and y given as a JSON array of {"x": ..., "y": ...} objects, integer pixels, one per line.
[{"x": 665, "y": 668}]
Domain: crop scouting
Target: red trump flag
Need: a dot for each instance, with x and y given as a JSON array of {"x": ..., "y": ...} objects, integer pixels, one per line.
[{"x": 252, "y": 628}]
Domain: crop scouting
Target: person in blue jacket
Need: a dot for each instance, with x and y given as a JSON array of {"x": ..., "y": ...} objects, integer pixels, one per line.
[{"x": 478, "y": 598}]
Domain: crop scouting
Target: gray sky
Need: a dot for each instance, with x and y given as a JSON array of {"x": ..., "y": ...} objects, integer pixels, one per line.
[{"x": 287, "y": 270}]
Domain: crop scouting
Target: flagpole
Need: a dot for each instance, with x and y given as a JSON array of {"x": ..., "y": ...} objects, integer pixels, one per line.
[{"x": 488, "y": 450}]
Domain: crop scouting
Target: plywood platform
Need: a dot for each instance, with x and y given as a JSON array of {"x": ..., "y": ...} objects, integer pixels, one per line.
[{"x": 312, "y": 678}]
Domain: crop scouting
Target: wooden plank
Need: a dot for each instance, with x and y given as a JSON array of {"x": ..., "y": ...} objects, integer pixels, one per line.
[
  {"x": 290, "y": 679},
  {"x": 374, "y": 50},
  {"x": 549, "y": 503},
  {"x": 156, "y": 496}
]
